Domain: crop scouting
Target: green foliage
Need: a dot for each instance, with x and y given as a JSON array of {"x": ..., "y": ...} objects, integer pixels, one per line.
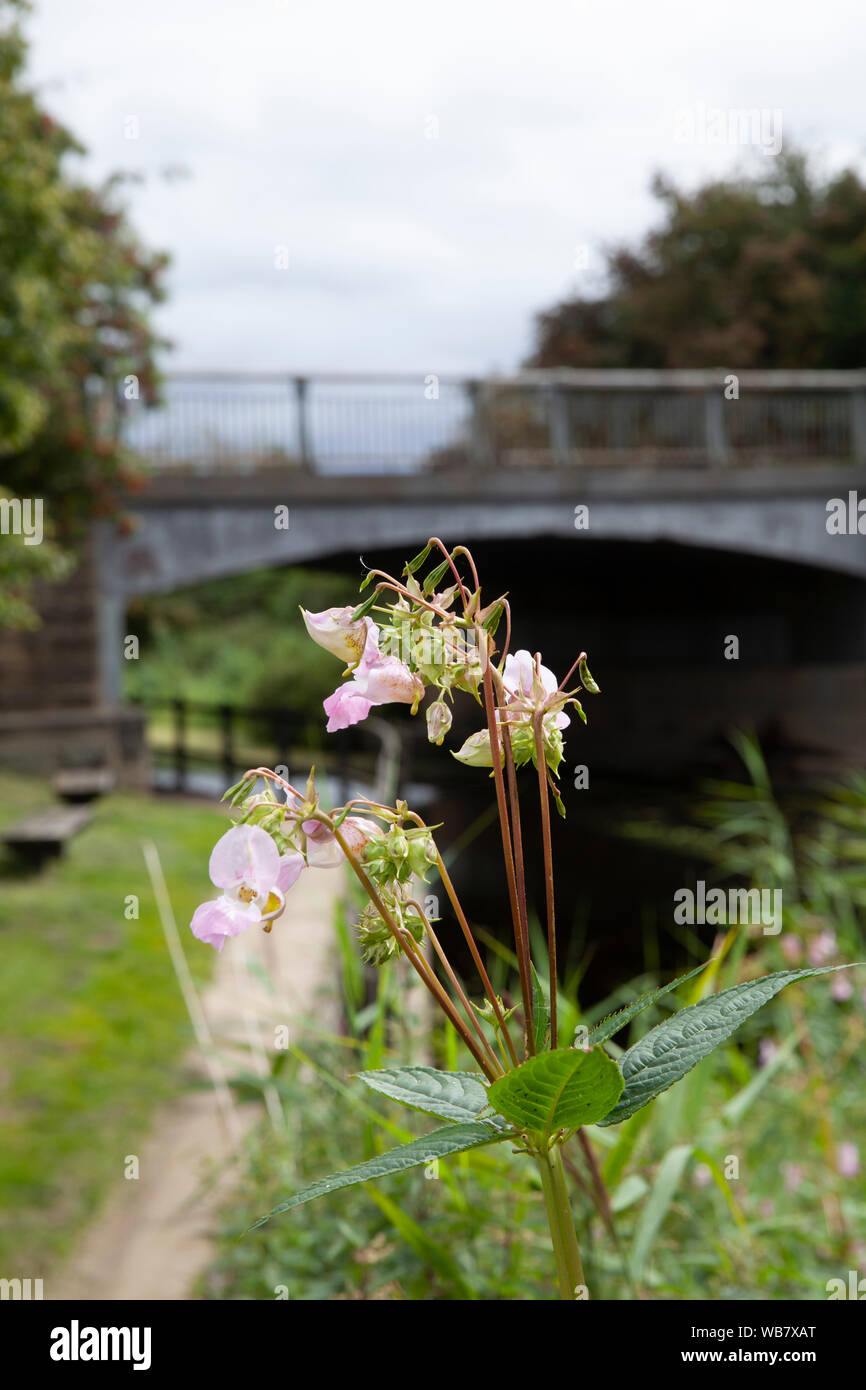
[
  {"x": 685, "y": 1226},
  {"x": 558, "y": 1090},
  {"x": 451, "y": 1139},
  {"x": 263, "y": 657},
  {"x": 75, "y": 291},
  {"x": 475, "y": 1218},
  {"x": 616, "y": 1021},
  {"x": 452, "y": 1095},
  {"x": 766, "y": 269},
  {"x": 20, "y": 566},
  {"x": 431, "y": 1251},
  {"x": 655, "y": 1208},
  {"x": 540, "y": 1013},
  {"x": 673, "y": 1047}
]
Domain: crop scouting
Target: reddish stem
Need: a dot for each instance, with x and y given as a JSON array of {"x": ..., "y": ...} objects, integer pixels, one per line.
[
  {"x": 507, "y": 851},
  {"x": 548, "y": 870}
]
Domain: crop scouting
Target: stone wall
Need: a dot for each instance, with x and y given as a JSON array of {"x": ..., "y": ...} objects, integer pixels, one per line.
[
  {"x": 51, "y": 714},
  {"x": 55, "y": 666}
]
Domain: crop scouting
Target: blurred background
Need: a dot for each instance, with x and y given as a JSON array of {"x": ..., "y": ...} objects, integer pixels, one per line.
[{"x": 282, "y": 293}]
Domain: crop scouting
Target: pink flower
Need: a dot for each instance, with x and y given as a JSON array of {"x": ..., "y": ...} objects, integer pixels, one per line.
[
  {"x": 323, "y": 851},
  {"x": 821, "y": 948},
  {"x": 792, "y": 948},
  {"x": 346, "y": 707},
  {"x": 841, "y": 988},
  {"x": 334, "y": 630},
  {"x": 523, "y": 682},
  {"x": 520, "y": 672},
  {"x": 793, "y": 1174},
  {"x": 767, "y": 1050},
  {"x": 377, "y": 680},
  {"x": 248, "y": 867},
  {"x": 848, "y": 1160},
  {"x": 386, "y": 680}
]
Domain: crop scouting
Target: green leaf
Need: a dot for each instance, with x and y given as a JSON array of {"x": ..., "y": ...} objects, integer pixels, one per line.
[
  {"x": 423, "y": 1245},
  {"x": 451, "y": 1139},
  {"x": 673, "y": 1047},
  {"x": 412, "y": 565},
  {"x": 453, "y": 1095},
  {"x": 540, "y": 1013},
  {"x": 620, "y": 1155},
  {"x": 240, "y": 791},
  {"x": 558, "y": 1090},
  {"x": 491, "y": 622},
  {"x": 664, "y": 1188},
  {"x": 612, "y": 1024},
  {"x": 364, "y": 608},
  {"x": 435, "y": 577}
]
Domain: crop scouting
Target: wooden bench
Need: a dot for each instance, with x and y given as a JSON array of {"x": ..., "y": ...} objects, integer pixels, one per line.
[
  {"x": 42, "y": 836},
  {"x": 76, "y": 784}
]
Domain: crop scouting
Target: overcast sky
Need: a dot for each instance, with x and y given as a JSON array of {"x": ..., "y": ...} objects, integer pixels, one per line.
[{"x": 433, "y": 170}]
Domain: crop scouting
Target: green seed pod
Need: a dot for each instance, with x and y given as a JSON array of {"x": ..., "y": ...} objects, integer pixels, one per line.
[{"x": 587, "y": 680}]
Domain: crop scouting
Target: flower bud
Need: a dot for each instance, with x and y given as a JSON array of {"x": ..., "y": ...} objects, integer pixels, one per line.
[
  {"x": 438, "y": 721},
  {"x": 422, "y": 853},
  {"x": 476, "y": 750},
  {"x": 398, "y": 845}
]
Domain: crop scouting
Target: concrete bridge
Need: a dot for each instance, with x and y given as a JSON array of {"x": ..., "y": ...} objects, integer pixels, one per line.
[
  {"x": 254, "y": 472},
  {"x": 763, "y": 468}
]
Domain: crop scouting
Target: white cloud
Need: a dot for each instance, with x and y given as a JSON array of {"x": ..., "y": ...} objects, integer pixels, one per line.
[{"x": 305, "y": 124}]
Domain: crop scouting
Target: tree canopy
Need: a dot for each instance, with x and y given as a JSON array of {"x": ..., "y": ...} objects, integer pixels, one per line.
[
  {"x": 765, "y": 269},
  {"x": 76, "y": 288}
]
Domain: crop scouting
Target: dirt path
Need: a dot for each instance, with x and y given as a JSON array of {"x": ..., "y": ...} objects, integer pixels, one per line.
[{"x": 151, "y": 1240}]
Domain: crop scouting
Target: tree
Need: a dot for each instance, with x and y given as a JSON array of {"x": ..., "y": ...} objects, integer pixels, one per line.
[
  {"x": 766, "y": 269},
  {"x": 75, "y": 291}
]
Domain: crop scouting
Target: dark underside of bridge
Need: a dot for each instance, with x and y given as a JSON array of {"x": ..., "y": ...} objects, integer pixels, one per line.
[{"x": 656, "y": 621}]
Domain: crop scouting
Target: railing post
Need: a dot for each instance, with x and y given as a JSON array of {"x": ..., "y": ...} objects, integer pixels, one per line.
[
  {"x": 559, "y": 426},
  {"x": 714, "y": 424},
  {"x": 226, "y": 723},
  {"x": 179, "y": 744},
  {"x": 858, "y": 423},
  {"x": 479, "y": 448},
  {"x": 303, "y": 435},
  {"x": 280, "y": 725}
]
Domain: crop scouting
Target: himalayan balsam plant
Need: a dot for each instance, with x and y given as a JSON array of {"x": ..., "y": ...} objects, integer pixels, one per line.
[{"x": 435, "y": 639}]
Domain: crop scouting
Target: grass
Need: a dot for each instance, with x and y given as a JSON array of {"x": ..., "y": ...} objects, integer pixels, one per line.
[{"x": 94, "y": 1027}]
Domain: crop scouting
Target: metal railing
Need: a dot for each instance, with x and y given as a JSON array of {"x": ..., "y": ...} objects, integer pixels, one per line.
[
  {"x": 230, "y": 422},
  {"x": 197, "y": 746}
]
